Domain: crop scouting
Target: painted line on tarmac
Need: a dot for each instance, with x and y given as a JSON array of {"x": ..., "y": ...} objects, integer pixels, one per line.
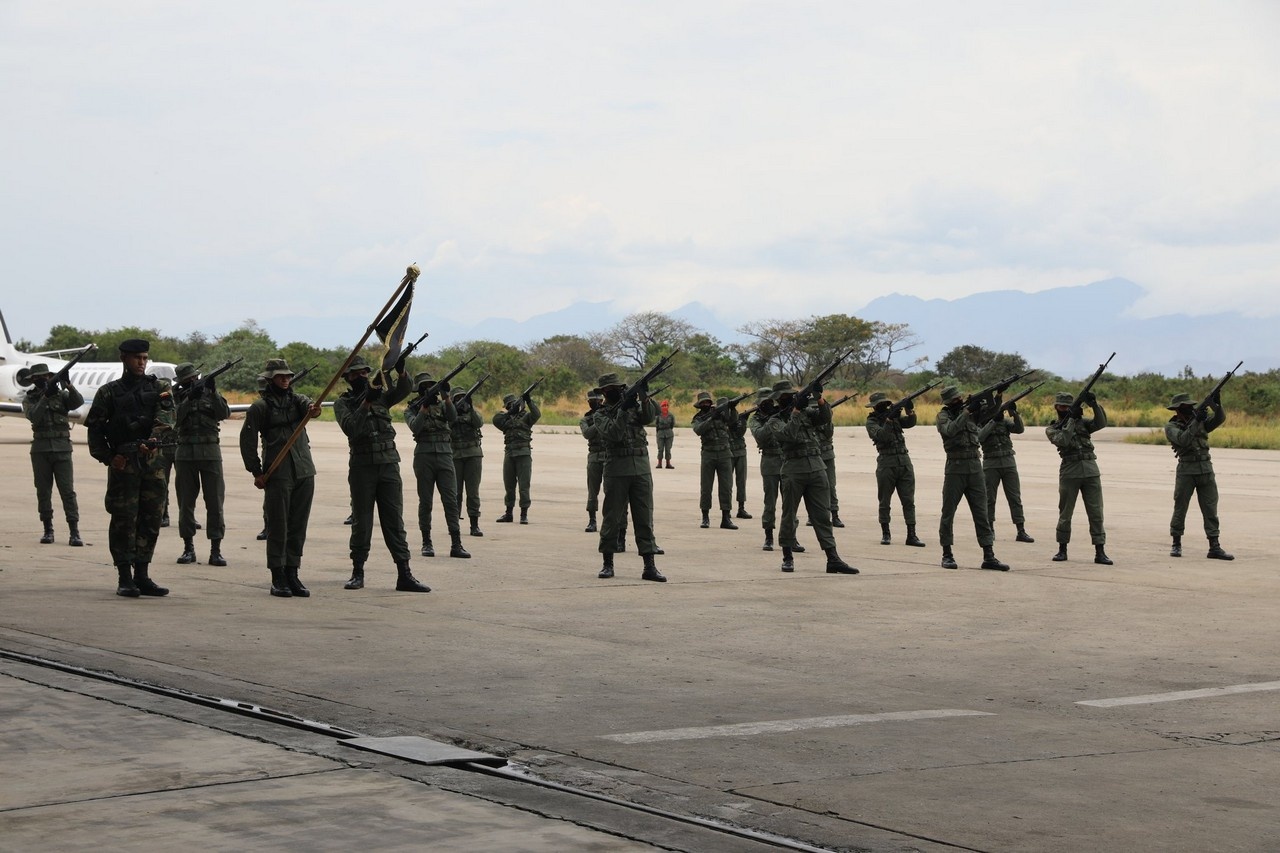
[
  {"x": 1179, "y": 695},
  {"x": 766, "y": 727}
]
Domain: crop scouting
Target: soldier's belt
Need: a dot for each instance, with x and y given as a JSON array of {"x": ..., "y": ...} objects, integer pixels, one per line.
[
  {"x": 376, "y": 447},
  {"x": 892, "y": 451},
  {"x": 998, "y": 454},
  {"x": 615, "y": 452},
  {"x": 1078, "y": 457},
  {"x": 799, "y": 454},
  {"x": 47, "y": 433},
  {"x": 197, "y": 439},
  {"x": 962, "y": 454}
]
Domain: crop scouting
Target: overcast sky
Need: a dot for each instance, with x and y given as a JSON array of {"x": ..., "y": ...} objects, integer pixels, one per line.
[{"x": 181, "y": 165}]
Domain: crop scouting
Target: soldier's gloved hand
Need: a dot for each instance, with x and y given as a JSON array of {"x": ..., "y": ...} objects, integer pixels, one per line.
[
  {"x": 463, "y": 406},
  {"x": 1012, "y": 409},
  {"x": 1076, "y": 412},
  {"x": 1202, "y": 415},
  {"x": 974, "y": 405},
  {"x": 801, "y": 400},
  {"x": 398, "y": 367},
  {"x": 632, "y": 401},
  {"x": 817, "y": 389},
  {"x": 197, "y": 391},
  {"x": 372, "y": 396},
  {"x": 1216, "y": 397},
  {"x": 1088, "y": 398},
  {"x": 908, "y": 407},
  {"x": 51, "y": 389},
  {"x": 444, "y": 387}
]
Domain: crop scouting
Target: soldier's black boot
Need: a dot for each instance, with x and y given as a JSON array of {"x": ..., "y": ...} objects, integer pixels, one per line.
[
  {"x": 798, "y": 548},
  {"x": 788, "y": 563},
  {"x": 726, "y": 523},
  {"x": 164, "y": 519},
  {"x": 706, "y": 519},
  {"x": 47, "y": 538},
  {"x": 428, "y": 550},
  {"x": 659, "y": 465},
  {"x": 912, "y": 539},
  {"x": 1176, "y": 549},
  {"x": 742, "y": 510},
  {"x": 1100, "y": 556},
  {"x": 295, "y": 585},
  {"x": 215, "y": 553},
  {"x": 406, "y": 582},
  {"x": 145, "y": 584},
  {"x": 188, "y": 551},
  {"x": 74, "y": 540},
  {"x": 1023, "y": 536},
  {"x": 262, "y": 535},
  {"x": 835, "y": 520},
  {"x": 506, "y": 517},
  {"x": 455, "y": 547},
  {"x": 1061, "y": 556},
  {"x": 651, "y": 572},
  {"x": 948, "y": 559},
  {"x": 837, "y": 566},
  {"x": 126, "y": 586},
  {"x": 989, "y": 560},
  {"x": 279, "y": 586},
  {"x": 350, "y": 519},
  {"x": 669, "y": 465},
  {"x": 606, "y": 568},
  {"x": 768, "y": 539},
  {"x": 885, "y": 538},
  {"x": 591, "y": 522},
  {"x": 357, "y": 576},
  {"x": 1216, "y": 552},
  {"x": 524, "y": 515},
  {"x": 621, "y": 546},
  {"x": 475, "y": 526}
]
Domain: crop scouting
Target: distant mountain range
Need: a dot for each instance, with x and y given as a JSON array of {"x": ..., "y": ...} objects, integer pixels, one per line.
[{"x": 1065, "y": 330}]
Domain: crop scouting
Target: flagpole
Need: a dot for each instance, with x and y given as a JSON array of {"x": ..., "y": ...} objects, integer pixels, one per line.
[{"x": 410, "y": 276}]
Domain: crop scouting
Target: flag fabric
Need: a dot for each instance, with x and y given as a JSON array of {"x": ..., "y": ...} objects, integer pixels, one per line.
[{"x": 392, "y": 327}]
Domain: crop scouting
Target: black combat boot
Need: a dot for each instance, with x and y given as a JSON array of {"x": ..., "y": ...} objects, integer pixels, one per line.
[
  {"x": 885, "y": 538},
  {"x": 1176, "y": 549},
  {"x": 74, "y": 540},
  {"x": 215, "y": 553},
  {"x": 1023, "y": 536},
  {"x": 1100, "y": 556},
  {"x": 651, "y": 572},
  {"x": 798, "y": 548},
  {"x": 47, "y": 538},
  {"x": 742, "y": 510},
  {"x": 262, "y": 535},
  {"x": 835, "y": 520},
  {"x": 475, "y": 526},
  {"x": 350, "y": 519},
  {"x": 406, "y": 582},
  {"x": 1216, "y": 552},
  {"x": 591, "y": 522},
  {"x": 455, "y": 546},
  {"x": 621, "y": 546},
  {"x": 788, "y": 564},
  {"x": 706, "y": 519},
  {"x": 428, "y": 550},
  {"x": 768, "y": 539},
  {"x": 989, "y": 560},
  {"x": 188, "y": 551},
  {"x": 164, "y": 519},
  {"x": 837, "y": 566},
  {"x": 524, "y": 515},
  {"x": 1061, "y": 556},
  {"x": 606, "y": 568},
  {"x": 659, "y": 465},
  {"x": 280, "y": 585},
  {"x": 669, "y": 465},
  {"x": 145, "y": 584},
  {"x": 295, "y": 585},
  {"x": 948, "y": 559},
  {"x": 506, "y": 517},
  {"x": 357, "y": 576},
  {"x": 126, "y": 586},
  {"x": 726, "y": 523},
  {"x": 912, "y": 539}
]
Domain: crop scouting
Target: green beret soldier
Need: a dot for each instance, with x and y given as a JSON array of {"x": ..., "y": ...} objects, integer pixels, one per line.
[
  {"x": 1078, "y": 472},
  {"x": 515, "y": 421},
  {"x": 46, "y": 406},
  {"x": 431, "y": 418},
  {"x": 962, "y": 477},
  {"x": 197, "y": 465},
  {"x": 770, "y": 464},
  {"x": 738, "y": 449},
  {"x": 717, "y": 459},
  {"x": 468, "y": 456},
  {"x": 894, "y": 471},
  {"x": 999, "y": 466},
  {"x": 1188, "y": 434}
]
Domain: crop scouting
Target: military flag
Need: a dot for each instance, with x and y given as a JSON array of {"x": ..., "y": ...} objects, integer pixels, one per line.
[{"x": 392, "y": 327}]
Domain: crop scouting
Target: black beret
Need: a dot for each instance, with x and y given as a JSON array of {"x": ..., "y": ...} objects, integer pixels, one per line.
[{"x": 135, "y": 345}]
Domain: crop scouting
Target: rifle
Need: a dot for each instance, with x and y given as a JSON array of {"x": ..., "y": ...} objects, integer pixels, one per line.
[
  {"x": 1002, "y": 386},
  {"x": 440, "y": 383},
  {"x": 1088, "y": 386},
  {"x": 896, "y": 409},
  {"x": 524, "y": 395},
  {"x": 846, "y": 398},
  {"x": 656, "y": 391},
  {"x": 302, "y": 374},
  {"x": 641, "y": 385},
  {"x": 408, "y": 351},
  {"x": 1007, "y": 404},
  {"x": 1217, "y": 389},
  {"x": 812, "y": 388},
  {"x": 61, "y": 377},
  {"x": 728, "y": 404},
  {"x": 474, "y": 388},
  {"x": 206, "y": 381}
]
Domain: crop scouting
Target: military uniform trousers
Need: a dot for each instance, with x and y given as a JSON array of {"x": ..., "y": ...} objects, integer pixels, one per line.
[
  {"x": 1205, "y": 487},
  {"x": 831, "y": 484},
  {"x": 1089, "y": 488},
  {"x": 48, "y": 469},
  {"x": 632, "y": 492},
  {"x": 1003, "y": 473},
  {"x": 970, "y": 485},
  {"x": 717, "y": 465},
  {"x": 664, "y": 446},
  {"x": 434, "y": 473},
  {"x": 135, "y": 501},
  {"x": 595, "y": 479},
  {"x": 377, "y": 484},
  {"x": 286, "y": 506},
  {"x": 812, "y": 488},
  {"x": 740, "y": 476},
  {"x": 771, "y": 480},
  {"x": 466, "y": 477},
  {"x": 191, "y": 477},
  {"x": 517, "y": 471},
  {"x": 896, "y": 474}
]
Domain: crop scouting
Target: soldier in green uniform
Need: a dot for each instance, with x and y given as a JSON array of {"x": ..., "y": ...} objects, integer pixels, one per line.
[
  {"x": 628, "y": 483},
  {"x": 364, "y": 413},
  {"x": 665, "y": 427},
  {"x": 1188, "y": 433},
  {"x": 770, "y": 462},
  {"x": 1078, "y": 472},
  {"x": 827, "y": 447},
  {"x": 795, "y": 427},
  {"x": 894, "y": 471},
  {"x": 717, "y": 460},
  {"x": 262, "y": 534},
  {"x": 595, "y": 458},
  {"x": 198, "y": 461},
  {"x": 46, "y": 406},
  {"x": 431, "y": 418},
  {"x": 738, "y": 450},
  {"x": 468, "y": 457},
  {"x": 963, "y": 478},
  {"x": 516, "y": 421},
  {"x": 129, "y": 418},
  {"x": 999, "y": 468},
  {"x": 288, "y": 492}
]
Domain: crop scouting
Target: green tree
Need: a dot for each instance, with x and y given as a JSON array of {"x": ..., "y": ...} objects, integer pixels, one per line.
[
  {"x": 577, "y": 354},
  {"x": 974, "y": 365},
  {"x": 250, "y": 342},
  {"x": 633, "y": 340}
]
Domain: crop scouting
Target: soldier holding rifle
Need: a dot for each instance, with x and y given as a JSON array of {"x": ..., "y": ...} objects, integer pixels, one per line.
[
  {"x": 998, "y": 464},
  {"x": 515, "y": 421},
  {"x": 431, "y": 418},
  {"x": 894, "y": 471},
  {"x": 468, "y": 456},
  {"x": 46, "y": 406},
  {"x": 711, "y": 425},
  {"x": 198, "y": 460},
  {"x": 962, "y": 478},
  {"x": 1078, "y": 474}
]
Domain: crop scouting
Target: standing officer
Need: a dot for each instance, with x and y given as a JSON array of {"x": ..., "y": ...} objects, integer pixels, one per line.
[
  {"x": 894, "y": 471},
  {"x": 431, "y": 418},
  {"x": 628, "y": 483},
  {"x": 712, "y": 428},
  {"x": 364, "y": 413},
  {"x": 468, "y": 457},
  {"x": 999, "y": 468},
  {"x": 963, "y": 476},
  {"x": 128, "y": 419},
  {"x": 665, "y": 426},
  {"x": 46, "y": 405},
  {"x": 827, "y": 447},
  {"x": 770, "y": 462},
  {"x": 1078, "y": 472},
  {"x": 1188, "y": 433},
  {"x": 287, "y": 494},
  {"x": 516, "y": 424},
  {"x": 595, "y": 457},
  {"x": 738, "y": 449},
  {"x": 795, "y": 427},
  {"x": 198, "y": 461}
]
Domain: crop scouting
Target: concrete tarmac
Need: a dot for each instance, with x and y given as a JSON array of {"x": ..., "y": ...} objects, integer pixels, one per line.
[{"x": 1060, "y": 706}]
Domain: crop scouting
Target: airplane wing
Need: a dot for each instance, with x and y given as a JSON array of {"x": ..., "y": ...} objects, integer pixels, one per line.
[{"x": 7, "y": 408}]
